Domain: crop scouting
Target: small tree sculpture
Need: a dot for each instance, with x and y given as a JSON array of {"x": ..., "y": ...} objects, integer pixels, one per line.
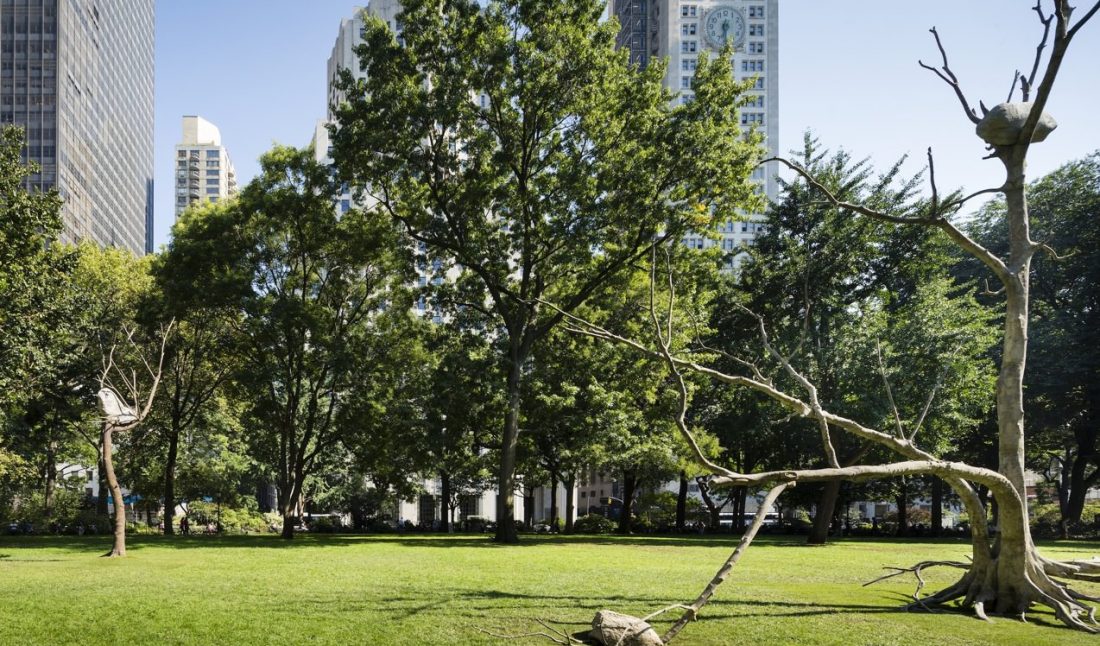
[{"x": 120, "y": 414}]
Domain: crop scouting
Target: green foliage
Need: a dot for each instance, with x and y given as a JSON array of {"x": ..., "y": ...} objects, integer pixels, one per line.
[
  {"x": 32, "y": 273},
  {"x": 316, "y": 305},
  {"x": 572, "y": 166},
  {"x": 593, "y": 524}
]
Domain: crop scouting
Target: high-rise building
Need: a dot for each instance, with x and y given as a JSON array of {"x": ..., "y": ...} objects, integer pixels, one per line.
[
  {"x": 78, "y": 76},
  {"x": 204, "y": 172},
  {"x": 681, "y": 31}
]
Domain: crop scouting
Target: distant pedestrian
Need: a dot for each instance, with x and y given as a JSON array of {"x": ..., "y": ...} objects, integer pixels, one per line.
[{"x": 185, "y": 526}]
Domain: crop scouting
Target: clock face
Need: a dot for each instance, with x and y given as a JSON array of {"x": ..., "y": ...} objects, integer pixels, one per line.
[{"x": 724, "y": 24}]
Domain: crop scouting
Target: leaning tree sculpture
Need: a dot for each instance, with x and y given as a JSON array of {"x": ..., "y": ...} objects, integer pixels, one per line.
[
  {"x": 1006, "y": 575},
  {"x": 119, "y": 415}
]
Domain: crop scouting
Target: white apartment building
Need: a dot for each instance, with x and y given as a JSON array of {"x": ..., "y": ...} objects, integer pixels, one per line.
[
  {"x": 204, "y": 172},
  {"x": 681, "y": 31}
]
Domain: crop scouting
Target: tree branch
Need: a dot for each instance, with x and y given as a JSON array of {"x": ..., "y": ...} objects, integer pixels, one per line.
[{"x": 949, "y": 77}]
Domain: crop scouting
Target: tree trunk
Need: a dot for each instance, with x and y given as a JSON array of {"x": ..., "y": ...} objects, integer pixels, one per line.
[
  {"x": 528, "y": 506},
  {"x": 570, "y": 503},
  {"x": 506, "y": 478},
  {"x": 823, "y": 518},
  {"x": 288, "y": 524},
  {"x": 170, "y": 483},
  {"x": 51, "y": 479},
  {"x": 903, "y": 508},
  {"x": 681, "y": 503},
  {"x": 119, "y": 548},
  {"x": 1078, "y": 487},
  {"x": 553, "y": 502},
  {"x": 445, "y": 504},
  {"x": 704, "y": 492},
  {"x": 101, "y": 475},
  {"x": 741, "y": 503},
  {"x": 937, "y": 506},
  {"x": 625, "y": 520}
]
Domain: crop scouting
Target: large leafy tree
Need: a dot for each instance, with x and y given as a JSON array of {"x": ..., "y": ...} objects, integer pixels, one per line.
[
  {"x": 515, "y": 140},
  {"x": 32, "y": 273},
  {"x": 316, "y": 303}
]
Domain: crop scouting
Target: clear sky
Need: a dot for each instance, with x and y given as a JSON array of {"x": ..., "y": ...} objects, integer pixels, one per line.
[{"x": 848, "y": 71}]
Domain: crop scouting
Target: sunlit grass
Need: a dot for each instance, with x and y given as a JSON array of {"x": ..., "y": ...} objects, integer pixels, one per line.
[{"x": 440, "y": 590}]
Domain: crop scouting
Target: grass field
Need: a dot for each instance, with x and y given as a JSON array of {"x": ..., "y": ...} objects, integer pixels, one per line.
[{"x": 439, "y": 590}]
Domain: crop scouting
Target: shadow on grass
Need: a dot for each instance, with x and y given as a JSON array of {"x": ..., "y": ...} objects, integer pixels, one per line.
[{"x": 98, "y": 543}]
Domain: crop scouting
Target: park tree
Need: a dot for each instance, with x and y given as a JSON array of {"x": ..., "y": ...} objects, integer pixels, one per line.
[
  {"x": 199, "y": 362},
  {"x": 1006, "y": 573},
  {"x": 32, "y": 272},
  {"x": 515, "y": 141},
  {"x": 315, "y": 305}
]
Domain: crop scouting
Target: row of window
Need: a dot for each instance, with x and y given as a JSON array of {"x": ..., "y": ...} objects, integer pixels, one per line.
[
  {"x": 692, "y": 11},
  {"x": 210, "y": 152}
]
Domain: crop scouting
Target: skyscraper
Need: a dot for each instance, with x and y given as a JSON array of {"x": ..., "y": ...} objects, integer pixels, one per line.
[
  {"x": 204, "y": 172},
  {"x": 78, "y": 75},
  {"x": 683, "y": 30}
]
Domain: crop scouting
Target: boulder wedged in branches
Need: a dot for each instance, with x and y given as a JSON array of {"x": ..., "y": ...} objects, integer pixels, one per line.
[
  {"x": 616, "y": 629},
  {"x": 1003, "y": 124}
]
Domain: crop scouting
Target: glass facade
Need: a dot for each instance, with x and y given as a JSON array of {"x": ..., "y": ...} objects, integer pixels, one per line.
[{"x": 78, "y": 75}]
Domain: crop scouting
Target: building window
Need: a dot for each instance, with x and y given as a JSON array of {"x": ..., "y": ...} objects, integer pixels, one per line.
[
  {"x": 212, "y": 190},
  {"x": 756, "y": 101},
  {"x": 688, "y": 64},
  {"x": 182, "y": 153},
  {"x": 688, "y": 29},
  {"x": 688, "y": 47},
  {"x": 759, "y": 84},
  {"x": 213, "y": 152},
  {"x": 756, "y": 48},
  {"x": 688, "y": 10},
  {"x": 213, "y": 172},
  {"x": 752, "y": 66},
  {"x": 756, "y": 11},
  {"x": 752, "y": 118},
  {"x": 212, "y": 164},
  {"x": 685, "y": 82},
  {"x": 756, "y": 30}
]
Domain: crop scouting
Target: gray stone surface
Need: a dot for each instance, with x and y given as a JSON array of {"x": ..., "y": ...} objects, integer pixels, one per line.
[
  {"x": 1001, "y": 127},
  {"x": 612, "y": 628}
]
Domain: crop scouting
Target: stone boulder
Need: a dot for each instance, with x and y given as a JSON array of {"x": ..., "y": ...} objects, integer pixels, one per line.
[
  {"x": 615, "y": 629},
  {"x": 1002, "y": 126}
]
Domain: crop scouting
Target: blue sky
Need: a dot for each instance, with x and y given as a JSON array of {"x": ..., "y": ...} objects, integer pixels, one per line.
[{"x": 848, "y": 71}]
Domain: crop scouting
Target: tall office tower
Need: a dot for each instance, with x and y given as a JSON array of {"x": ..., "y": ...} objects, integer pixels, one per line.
[
  {"x": 78, "y": 76},
  {"x": 683, "y": 30},
  {"x": 204, "y": 172}
]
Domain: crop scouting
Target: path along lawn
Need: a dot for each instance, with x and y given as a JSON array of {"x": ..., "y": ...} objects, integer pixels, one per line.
[{"x": 439, "y": 590}]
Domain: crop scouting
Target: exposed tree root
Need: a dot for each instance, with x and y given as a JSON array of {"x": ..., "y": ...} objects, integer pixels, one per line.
[{"x": 981, "y": 589}]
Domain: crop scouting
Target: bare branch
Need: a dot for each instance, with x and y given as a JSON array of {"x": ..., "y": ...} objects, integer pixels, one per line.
[
  {"x": 1028, "y": 82},
  {"x": 949, "y": 77},
  {"x": 724, "y": 571},
  {"x": 936, "y": 219},
  {"x": 807, "y": 385},
  {"x": 889, "y": 391},
  {"x": 990, "y": 292}
]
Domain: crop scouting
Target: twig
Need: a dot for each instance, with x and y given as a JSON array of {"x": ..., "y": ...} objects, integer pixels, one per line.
[
  {"x": 949, "y": 77},
  {"x": 889, "y": 391}
]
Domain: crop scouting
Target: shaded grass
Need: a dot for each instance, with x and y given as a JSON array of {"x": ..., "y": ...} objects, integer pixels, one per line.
[{"x": 439, "y": 590}]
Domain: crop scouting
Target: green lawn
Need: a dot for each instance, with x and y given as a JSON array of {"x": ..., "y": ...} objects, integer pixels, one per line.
[{"x": 439, "y": 590}]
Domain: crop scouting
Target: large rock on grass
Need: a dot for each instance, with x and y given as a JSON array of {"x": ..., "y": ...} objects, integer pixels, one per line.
[{"x": 612, "y": 628}]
